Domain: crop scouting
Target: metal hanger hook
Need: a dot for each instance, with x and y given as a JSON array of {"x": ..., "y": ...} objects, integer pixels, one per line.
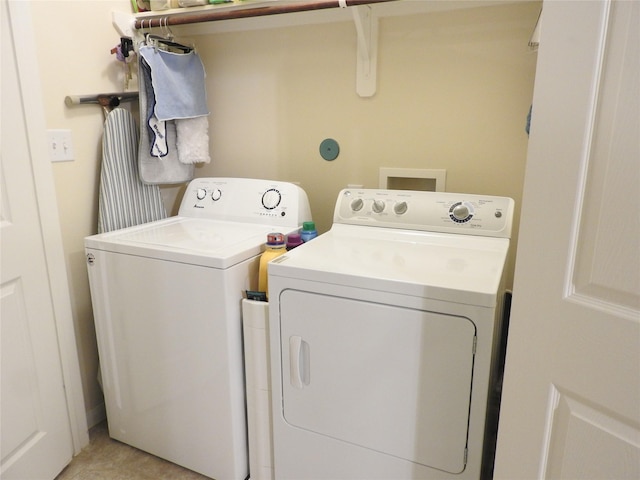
[{"x": 166, "y": 26}]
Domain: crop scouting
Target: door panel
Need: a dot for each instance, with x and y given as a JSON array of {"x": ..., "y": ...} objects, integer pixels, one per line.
[
  {"x": 392, "y": 379},
  {"x": 576, "y": 299},
  {"x": 19, "y": 371},
  {"x": 589, "y": 442},
  {"x": 608, "y": 235}
]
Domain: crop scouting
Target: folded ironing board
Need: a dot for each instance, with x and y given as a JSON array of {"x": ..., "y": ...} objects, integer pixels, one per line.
[{"x": 124, "y": 200}]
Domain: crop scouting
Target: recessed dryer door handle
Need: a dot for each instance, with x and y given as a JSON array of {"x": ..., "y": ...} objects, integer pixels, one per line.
[{"x": 298, "y": 362}]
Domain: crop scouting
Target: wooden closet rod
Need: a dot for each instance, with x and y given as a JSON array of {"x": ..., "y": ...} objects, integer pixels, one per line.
[{"x": 201, "y": 16}]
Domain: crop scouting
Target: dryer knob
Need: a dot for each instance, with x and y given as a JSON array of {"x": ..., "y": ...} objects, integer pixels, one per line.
[
  {"x": 201, "y": 193},
  {"x": 400, "y": 208},
  {"x": 357, "y": 205},
  {"x": 461, "y": 212},
  {"x": 378, "y": 206}
]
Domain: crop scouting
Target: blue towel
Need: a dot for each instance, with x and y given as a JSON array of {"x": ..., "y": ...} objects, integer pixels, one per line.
[{"x": 178, "y": 83}]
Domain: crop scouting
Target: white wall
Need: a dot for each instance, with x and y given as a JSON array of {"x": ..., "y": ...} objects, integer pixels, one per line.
[{"x": 454, "y": 89}]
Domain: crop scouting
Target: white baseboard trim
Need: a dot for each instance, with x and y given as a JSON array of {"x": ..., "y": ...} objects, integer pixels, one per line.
[{"x": 96, "y": 415}]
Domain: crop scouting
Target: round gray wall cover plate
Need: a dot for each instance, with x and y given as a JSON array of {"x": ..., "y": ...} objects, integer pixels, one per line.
[{"x": 329, "y": 149}]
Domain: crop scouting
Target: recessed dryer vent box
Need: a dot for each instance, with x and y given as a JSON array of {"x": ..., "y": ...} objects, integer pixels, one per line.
[{"x": 428, "y": 180}]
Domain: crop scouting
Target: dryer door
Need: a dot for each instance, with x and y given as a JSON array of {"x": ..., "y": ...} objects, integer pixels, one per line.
[{"x": 388, "y": 378}]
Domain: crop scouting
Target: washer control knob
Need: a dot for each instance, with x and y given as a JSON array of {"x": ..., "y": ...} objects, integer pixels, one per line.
[
  {"x": 378, "y": 206},
  {"x": 400, "y": 208},
  {"x": 216, "y": 194},
  {"x": 357, "y": 204},
  {"x": 271, "y": 199},
  {"x": 201, "y": 193}
]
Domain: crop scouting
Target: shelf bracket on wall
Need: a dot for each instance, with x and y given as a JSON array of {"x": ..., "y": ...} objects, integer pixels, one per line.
[
  {"x": 366, "y": 23},
  {"x": 123, "y": 23}
]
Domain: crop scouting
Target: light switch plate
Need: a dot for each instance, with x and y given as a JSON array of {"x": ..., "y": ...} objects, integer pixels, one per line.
[{"x": 60, "y": 145}]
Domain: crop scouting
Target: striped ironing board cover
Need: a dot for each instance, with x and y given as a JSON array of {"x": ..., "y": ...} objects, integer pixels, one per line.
[{"x": 124, "y": 200}]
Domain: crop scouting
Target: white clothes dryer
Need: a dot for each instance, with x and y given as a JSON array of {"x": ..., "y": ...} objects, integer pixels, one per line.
[
  {"x": 167, "y": 305},
  {"x": 383, "y": 337}
]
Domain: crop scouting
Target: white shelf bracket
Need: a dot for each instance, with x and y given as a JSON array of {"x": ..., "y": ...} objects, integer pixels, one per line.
[
  {"x": 123, "y": 23},
  {"x": 366, "y": 23}
]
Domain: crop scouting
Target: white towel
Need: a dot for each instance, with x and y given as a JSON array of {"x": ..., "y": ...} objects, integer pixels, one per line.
[{"x": 193, "y": 140}]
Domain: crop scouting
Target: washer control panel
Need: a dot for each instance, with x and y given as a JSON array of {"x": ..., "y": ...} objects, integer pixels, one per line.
[
  {"x": 246, "y": 200},
  {"x": 428, "y": 211}
]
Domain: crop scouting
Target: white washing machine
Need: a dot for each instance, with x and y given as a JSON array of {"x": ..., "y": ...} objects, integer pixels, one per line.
[
  {"x": 167, "y": 305},
  {"x": 384, "y": 335}
]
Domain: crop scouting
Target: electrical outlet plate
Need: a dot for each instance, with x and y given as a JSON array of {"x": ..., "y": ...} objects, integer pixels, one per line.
[{"x": 60, "y": 145}]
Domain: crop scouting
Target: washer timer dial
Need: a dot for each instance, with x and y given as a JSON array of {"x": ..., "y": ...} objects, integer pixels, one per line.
[
  {"x": 461, "y": 212},
  {"x": 201, "y": 193},
  {"x": 271, "y": 199},
  {"x": 216, "y": 194}
]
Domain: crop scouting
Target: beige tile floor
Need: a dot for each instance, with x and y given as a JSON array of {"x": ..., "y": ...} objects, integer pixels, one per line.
[{"x": 108, "y": 459}]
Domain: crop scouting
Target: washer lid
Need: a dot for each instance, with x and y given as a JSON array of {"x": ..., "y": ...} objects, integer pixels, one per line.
[
  {"x": 449, "y": 267},
  {"x": 212, "y": 243}
]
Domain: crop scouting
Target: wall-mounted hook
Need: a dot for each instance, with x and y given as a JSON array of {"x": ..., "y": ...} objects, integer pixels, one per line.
[{"x": 126, "y": 46}]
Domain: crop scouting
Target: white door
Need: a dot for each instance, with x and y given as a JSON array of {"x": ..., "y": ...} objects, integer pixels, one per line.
[
  {"x": 571, "y": 397},
  {"x": 36, "y": 436}
]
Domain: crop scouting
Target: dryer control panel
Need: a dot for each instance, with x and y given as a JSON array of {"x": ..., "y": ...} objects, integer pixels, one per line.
[
  {"x": 246, "y": 200},
  {"x": 443, "y": 212}
]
